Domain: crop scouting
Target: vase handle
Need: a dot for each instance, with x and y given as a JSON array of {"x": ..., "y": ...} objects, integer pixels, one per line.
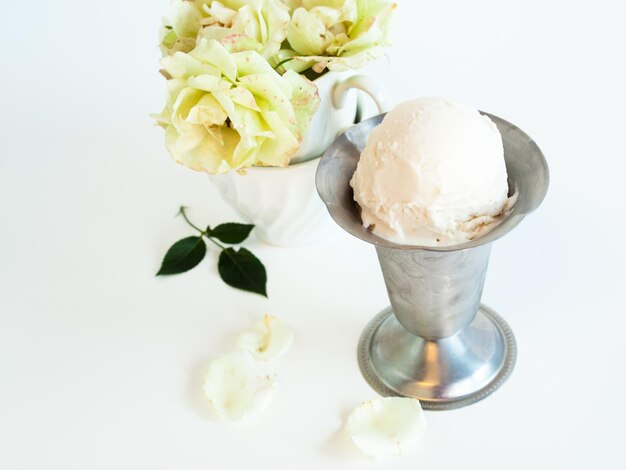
[{"x": 379, "y": 94}]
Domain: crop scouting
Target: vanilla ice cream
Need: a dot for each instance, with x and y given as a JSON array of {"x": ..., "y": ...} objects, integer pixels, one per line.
[{"x": 432, "y": 174}]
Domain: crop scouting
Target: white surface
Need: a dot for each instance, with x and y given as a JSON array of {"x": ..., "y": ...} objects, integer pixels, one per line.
[{"x": 101, "y": 363}]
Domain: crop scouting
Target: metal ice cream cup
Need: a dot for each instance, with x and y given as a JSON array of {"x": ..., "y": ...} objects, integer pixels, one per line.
[{"x": 436, "y": 342}]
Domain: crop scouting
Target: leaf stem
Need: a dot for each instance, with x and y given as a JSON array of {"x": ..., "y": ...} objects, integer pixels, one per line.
[
  {"x": 202, "y": 232},
  {"x": 217, "y": 243},
  {"x": 182, "y": 212},
  {"x": 284, "y": 61}
]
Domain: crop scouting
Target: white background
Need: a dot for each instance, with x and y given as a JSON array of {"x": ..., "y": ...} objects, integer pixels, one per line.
[{"x": 101, "y": 363}]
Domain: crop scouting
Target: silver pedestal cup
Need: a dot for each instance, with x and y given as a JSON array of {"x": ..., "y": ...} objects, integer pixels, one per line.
[{"x": 436, "y": 342}]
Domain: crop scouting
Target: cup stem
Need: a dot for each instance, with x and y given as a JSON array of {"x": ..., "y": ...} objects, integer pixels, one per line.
[{"x": 434, "y": 294}]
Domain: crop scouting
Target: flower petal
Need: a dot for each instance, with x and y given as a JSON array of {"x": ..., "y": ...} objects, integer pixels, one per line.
[
  {"x": 277, "y": 151},
  {"x": 215, "y": 54},
  {"x": 201, "y": 149},
  {"x": 251, "y": 63},
  {"x": 237, "y": 386},
  {"x": 304, "y": 98},
  {"x": 207, "y": 112},
  {"x": 221, "y": 13},
  {"x": 274, "y": 93},
  {"x": 185, "y": 17},
  {"x": 269, "y": 339},
  {"x": 242, "y": 96},
  {"x": 181, "y": 65},
  {"x": 385, "y": 427},
  {"x": 307, "y": 34},
  {"x": 209, "y": 83}
]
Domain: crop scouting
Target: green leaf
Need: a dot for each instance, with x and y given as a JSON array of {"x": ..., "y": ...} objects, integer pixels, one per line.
[
  {"x": 183, "y": 255},
  {"x": 242, "y": 270},
  {"x": 230, "y": 232}
]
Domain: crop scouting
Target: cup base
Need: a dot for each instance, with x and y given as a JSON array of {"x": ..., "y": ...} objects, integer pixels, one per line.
[{"x": 445, "y": 374}]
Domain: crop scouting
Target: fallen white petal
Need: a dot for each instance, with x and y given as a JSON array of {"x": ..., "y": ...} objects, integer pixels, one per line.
[
  {"x": 237, "y": 386},
  {"x": 270, "y": 338},
  {"x": 385, "y": 427}
]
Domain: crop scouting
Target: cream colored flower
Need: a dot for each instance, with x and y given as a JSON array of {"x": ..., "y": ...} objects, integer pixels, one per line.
[
  {"x": 258, "y": 25},
  {"x": 334, "y": 34},
  {"x": 227, "y": 111}
]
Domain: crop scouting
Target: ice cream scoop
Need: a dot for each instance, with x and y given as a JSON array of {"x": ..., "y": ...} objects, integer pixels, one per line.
[{"x": 432, "y": 174}]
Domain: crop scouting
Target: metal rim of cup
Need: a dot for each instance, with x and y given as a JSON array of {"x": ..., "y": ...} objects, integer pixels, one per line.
[{"x": 518, "y": 181}]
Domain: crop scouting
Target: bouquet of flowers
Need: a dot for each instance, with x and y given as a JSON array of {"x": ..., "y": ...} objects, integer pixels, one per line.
[{"x": 239, "y": 73}]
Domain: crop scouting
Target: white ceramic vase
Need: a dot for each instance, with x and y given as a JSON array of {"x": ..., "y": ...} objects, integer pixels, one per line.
[{"x": 282, "y": 202}]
